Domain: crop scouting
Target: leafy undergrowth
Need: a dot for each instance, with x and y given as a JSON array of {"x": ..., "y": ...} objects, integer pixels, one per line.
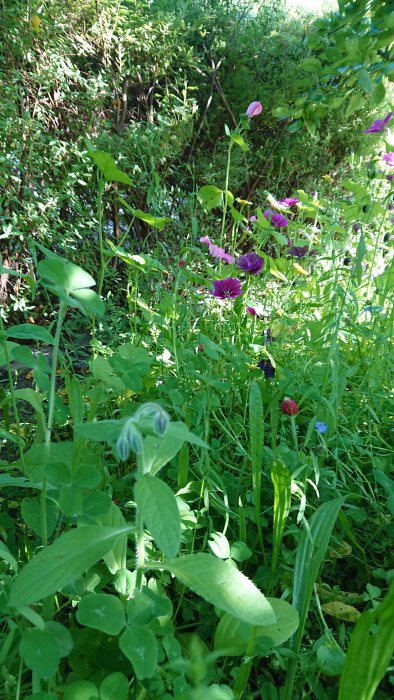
[{"x": 202, "y": 509}]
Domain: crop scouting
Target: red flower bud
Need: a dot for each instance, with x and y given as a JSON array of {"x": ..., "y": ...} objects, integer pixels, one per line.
[
  {"x": 182, "y": 263},
  {"x": 289, "y": 407}
]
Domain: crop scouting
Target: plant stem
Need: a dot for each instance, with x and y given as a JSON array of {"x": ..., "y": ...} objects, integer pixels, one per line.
[{"x": 12, "y": 393}]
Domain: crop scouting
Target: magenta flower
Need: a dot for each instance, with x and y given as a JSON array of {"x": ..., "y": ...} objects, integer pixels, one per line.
[
  {"x": 251, "y": 263},
  {"x": 276, "y": 219},
  {"x": 252, "y": 311},
  {"x": 379, "y": 125},
  {"x": 253, "y": 218},
  {"x": 230, "y": 288},
  {"x": 254, "y": 109},
  {"x": 217, "y": 252},
  {"x": 287, "y": 202},
  {"x": 389, "y": 158}
]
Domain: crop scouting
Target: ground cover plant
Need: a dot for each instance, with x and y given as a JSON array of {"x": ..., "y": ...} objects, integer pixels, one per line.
[{"x": 196, "y": 358}]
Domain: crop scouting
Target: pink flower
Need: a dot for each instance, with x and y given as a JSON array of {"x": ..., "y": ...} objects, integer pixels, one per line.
[
  {"x": 254, "y": 109},
  {"x": 286, "y": 203},
  {"x": 217, "y": 252},
  {"x": 389, "y": 158},
  {"x": 289, "y": 407},
  {"x": 378, "y": 125}
]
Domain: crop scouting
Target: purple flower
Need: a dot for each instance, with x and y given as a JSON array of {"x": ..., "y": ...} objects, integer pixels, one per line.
[
  {"x": 268, "y": 338},
  {"x": 267, "y": 367},
  {"x": 389, "y": 158},
  {"x": 254, "y": 109},
  {"x": 277, "y": 219},
  {"x": 230, "y": 288},
  {"x": 321, "y": 427},
  {"x": 378, "y": 125},
  {"x": 298, "y": 251},
  {"x": 356, "y": 228},
  {"x": 253, "y": 218},
  {"x": 287, "y": 202},
  {"x": 217, "y": 252},
  {"x": 251, "y": 263},
  {"x": 252, "y": 311},
  {"x": 389, "y": 178}
]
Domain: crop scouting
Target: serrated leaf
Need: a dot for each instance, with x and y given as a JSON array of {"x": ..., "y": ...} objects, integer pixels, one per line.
[
  {"x": 220, "y": 583},
  {"x": 159, "y": 509},
  {"x": 62, "y": 562}
]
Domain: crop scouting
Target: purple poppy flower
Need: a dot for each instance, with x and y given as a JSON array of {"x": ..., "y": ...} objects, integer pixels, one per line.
[
  {"x": 276, "y": 219},
  {"x": 230, "y": 288},
  {"x": 254, "y": 109},
  {"x": 356, "y": 228},
  {"x": 379, "y": 125},
  {"x": 267, "y": 367},
  {"x": 389, "y": 158},
  {"x": 298, "y": 251},
  {"x": 217, "y": 252},
  {"x": 251, "y": 263}
]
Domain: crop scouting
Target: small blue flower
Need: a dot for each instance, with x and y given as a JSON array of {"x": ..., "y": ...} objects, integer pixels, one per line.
[
  {"x": 371, "y": 309},
  {"x": 321, "y": 427}
]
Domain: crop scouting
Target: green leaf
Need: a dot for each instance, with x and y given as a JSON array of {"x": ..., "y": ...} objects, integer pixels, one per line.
[
  {"x": 101, "y": 611},
  {"x": 357, "y": 102},
  {"x": 62, "y": 562},
  {"x": 159, "y": 509},
  {"x": 158, "y": 222},
  {"x": 101, "y": 430},
  {"x": 61, "y": 635},
  {"x": 256, "y": 430},
  {"x": 210, "y": 196},
  {"x": 29, "y": 331},
  {"x": 311, "y": 65},
  {"x": 71, "y": 283},
  {"x": 281, "y": 112},
  {"x": 310, "y": 554},
  {"x": 237, "y": 138},
  {"x": 378, "y": 94},
  {"x": 232, "y": 636},
  {"x": 6, "y": 555},
  {"x": 281, "y": 479},
  {"x": 114, "y": 687},
  {"x": 107, "y": 166},
  {"x": 370, "y": 651},
  {"x": 39, "y": 652},
  {"x": 220, "y": 583},
  {"x": 81, "y": 690},
  {"x": 31, "y": 510},
  {"x": 139, "y": 645},
  {"x": 158, "y": 451},
  {"x": 364, "y": 80}
]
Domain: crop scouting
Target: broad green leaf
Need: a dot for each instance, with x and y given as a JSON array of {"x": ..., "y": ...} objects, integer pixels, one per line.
[
  {"x": 356, "y": 102},
  {"x": 62, "y": 562},
  {"x": 6, "y": 555},
  {"x": 220, "y": 583},
  {"x": 281, "y": 479},
  {"x": 365, "y": 81},
  {"x": 159, "y": 509},
  {"x": 370, "y": 651},
  {"x": 61, "y": 635},
  {"x": 139, "y": 645},
  {"x": 100, "y": 431},
  {"x": 237, "y": 138},
  {"x": 114, "y": 687},
  {"x": 81, "y": 690},
  {"x": 115, "y": 558},
  {"x": 107, "y": 166},
  {"x": 161, "y": 450},
  {"x": 39, "y": 652},
  {"x": 281, "y": 112},
  {"x": 29, "y": 331},
  {"x": 378, "y": 94},
  {"x": 311, "y": 65},
  {"x": 210, "y": 196},
  {"x": 232, "y": 636},
  {"x": 31, "y": 510},
  {"x": 64, "y": 274},
  {"x": 101, "y": 611},
  {"x": 158, "y": 222}
]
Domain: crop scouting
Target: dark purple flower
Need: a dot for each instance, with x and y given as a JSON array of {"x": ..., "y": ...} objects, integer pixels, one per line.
[
  {"x": 298, "y": 251},
  {"x": 251, "y": 263},
  {"x": 378, "y": 125},
  {"x": 230, "y": 288},
  {"x": 389, "y": 178},
  {"x": 267, "y": 367},
  {"x": 217, "y": 252},
  {"x": 252, "y": 311},
  {"x": 356, "y": 228},
  {"x": 268, "y": 338},
  {"x": 276, "y": 219},
  {"x": 389, "y": 158}
]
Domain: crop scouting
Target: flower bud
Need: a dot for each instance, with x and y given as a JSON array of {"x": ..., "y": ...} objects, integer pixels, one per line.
[{"x": 289, "y": 407}]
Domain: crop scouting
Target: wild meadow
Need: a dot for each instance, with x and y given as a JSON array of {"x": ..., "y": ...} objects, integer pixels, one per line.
[{"x": 196, "y": 360}]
